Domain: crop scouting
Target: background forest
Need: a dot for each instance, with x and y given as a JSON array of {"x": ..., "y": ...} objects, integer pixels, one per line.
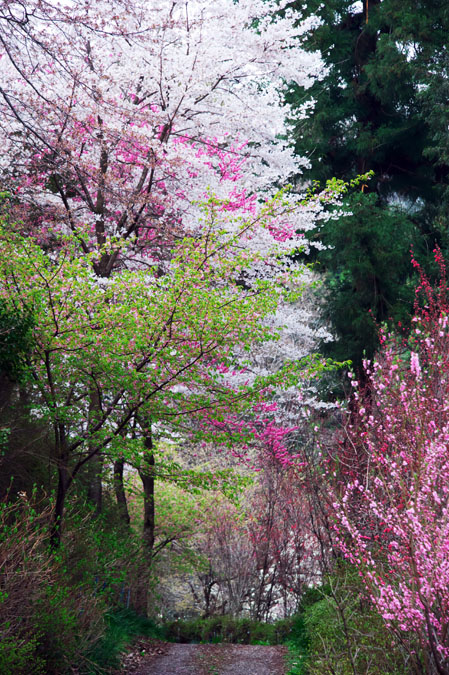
[{"x": 224, "y": 361}]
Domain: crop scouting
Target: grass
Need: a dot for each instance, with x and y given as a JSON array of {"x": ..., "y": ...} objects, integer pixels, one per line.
[
  {"x": 123, "y": 626},
  {"x": 298, "y": 647}
]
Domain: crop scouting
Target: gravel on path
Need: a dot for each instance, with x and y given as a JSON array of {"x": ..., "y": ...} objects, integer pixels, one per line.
[{"x": 222, "y": 659}]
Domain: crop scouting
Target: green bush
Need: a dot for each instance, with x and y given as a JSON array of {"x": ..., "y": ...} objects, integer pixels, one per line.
[
  {"x": 71, "y": 620},
  {"x": 55, "y": 606},
  {"x": 228, "y": 629},
  {"x": 345, "y": 635},
  {"x": 282, "y": 630},
  {"x": 122, "y": 626},
  {"x": 297, "y": 642},
  {"x": 47, "y": 622},
  {"x": 18, "y": 656}
]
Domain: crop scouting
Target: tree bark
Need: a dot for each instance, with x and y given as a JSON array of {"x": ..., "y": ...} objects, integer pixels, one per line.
[
  {"x": 95, "y": 486},
  {"x": 63, "y": 486},
  {"x": 64, "y": 481},
  {"x": 95, "y": 464},
  {"x": 119, "y": 489},
  {"x": 147, "y": 477}
]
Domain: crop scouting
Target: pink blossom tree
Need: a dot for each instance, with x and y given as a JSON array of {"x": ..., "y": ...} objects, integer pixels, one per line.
[
  {"x": 392, "y": 498},
  {"x": 260, "y": 549},
  {"x": 280, "y": 533},
  {"x": 140, "y": 130},
  {"x": 141, "y": 347},
  {"x": 118, "y": 117}
]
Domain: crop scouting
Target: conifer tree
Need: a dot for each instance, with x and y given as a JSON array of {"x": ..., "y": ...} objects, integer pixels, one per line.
[{"x": 380, "y": 108}]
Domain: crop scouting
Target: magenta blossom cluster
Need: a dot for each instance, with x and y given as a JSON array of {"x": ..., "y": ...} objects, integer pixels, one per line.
[{"x": 392, "y": 496}]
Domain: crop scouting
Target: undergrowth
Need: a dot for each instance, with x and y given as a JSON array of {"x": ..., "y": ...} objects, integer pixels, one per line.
[
  {"x": 217, "y": 629},
  {"x": 122, "y": 627}
]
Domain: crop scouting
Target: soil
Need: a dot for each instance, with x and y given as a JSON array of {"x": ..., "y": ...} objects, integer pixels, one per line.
[{"x": 162, "y": 658}]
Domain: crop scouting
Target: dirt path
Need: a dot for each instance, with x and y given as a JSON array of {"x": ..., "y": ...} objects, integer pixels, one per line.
[{"x": 223, "y": 659}]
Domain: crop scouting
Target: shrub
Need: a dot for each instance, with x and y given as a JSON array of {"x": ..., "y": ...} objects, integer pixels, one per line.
[
  {"x": 54, "y": 605},
  {"x": 25, "y": 568},
  {"x": 122, "y": 625},
  {"x": 391, "y": 480},
  {"x": 345, "y": 635},
  {"x": 46, "y": 622},
  {"x": 228, "y": 629},
  {"x": 18, "y": 656}
]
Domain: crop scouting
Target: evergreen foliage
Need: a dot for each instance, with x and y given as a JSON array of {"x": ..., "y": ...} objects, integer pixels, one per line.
[
  {"x": 381, "y": 107},
  {"x": 15, "y": 340},
  {"x": 368, "y": 274}
]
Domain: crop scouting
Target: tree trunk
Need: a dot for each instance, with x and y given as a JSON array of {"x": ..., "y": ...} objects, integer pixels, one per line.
[
  {"x": 64, "y": 481},
  {"x": 63, "y": 486},
  {"x": 95, "y": 486},
  {"x": 6, "y": 391},
  {"x": 147, "y": 477},
  {"x": 120, "y": 493},
  {"x": 95, "y": 464}
]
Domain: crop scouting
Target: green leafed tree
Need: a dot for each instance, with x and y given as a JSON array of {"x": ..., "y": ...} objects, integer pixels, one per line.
[{"x": 138, "y": 347}]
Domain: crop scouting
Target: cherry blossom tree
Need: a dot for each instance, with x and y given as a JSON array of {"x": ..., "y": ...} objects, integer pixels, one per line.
[
  {"x": 119, "y": 118},
  {"x": 154, "y": 135},
  {"x": 116, "y": 117},
  {"x": 392, "y": 500}
]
